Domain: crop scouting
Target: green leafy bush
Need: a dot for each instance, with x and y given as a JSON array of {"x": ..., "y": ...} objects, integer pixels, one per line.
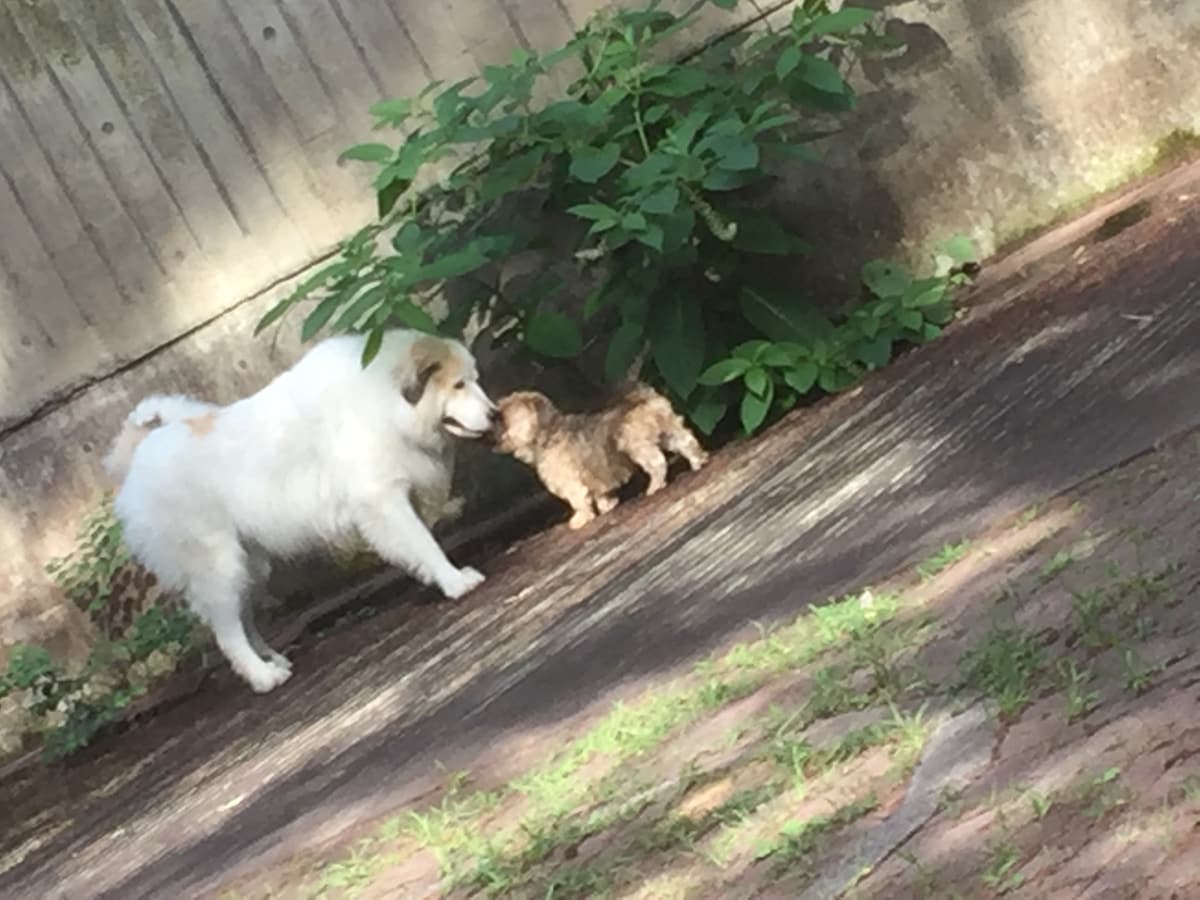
[
  {"x": 653, "y": 167},
  {"x": 66, "y": 708},
  {"x": 86, "y": 574},
  {"x": 69, "y": 709}
]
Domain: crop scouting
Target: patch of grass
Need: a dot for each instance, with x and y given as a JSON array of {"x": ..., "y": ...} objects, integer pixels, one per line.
[
  {"x": 1088, "y": 608},
  {"x": 353, "y": 873},
  {"x": 1080, "y": 700},
  {"x": 1139, "y": 677},
  {"x": 1004, "y": 667},
  {"x": 1030, "y": 515},
  {"x": 910, "y": 731},
  {"x": 943, "y": 559},
  {"x": 1001, "y": 873},
  {"x": 798, "y": 840},
  {"x": 586, "y": 788},
  {"x": 1102, "y": 794},
  {"x": 1057, "y": 564},
  {"x": 1039, "y": 803},
  {"x": 1176, "y": 146}
]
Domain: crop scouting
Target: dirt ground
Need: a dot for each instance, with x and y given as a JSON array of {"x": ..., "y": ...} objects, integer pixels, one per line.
[
  {"x": 795, "y": 764},
  {"x": 656, "y": 709}
]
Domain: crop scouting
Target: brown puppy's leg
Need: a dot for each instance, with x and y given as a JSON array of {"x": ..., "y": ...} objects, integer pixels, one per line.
[
  {"x": 574, "y": 492},
  {"x": 650, "y": 460},
  {"x": 679, "y": 439},
  {"x": 606, "y": 503}
]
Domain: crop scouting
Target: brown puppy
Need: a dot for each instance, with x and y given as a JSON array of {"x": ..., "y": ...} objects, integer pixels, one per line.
[{"x": 584, "y": 458}]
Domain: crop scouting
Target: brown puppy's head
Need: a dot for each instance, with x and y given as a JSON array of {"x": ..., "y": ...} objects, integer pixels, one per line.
[
  {"x": 522, "y": 416},
  {"x": 439, "y": 378}
]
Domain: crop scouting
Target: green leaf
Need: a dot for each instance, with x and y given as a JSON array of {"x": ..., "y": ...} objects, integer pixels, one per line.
[
  {"x": 939, "y": 315},
  {"x": 387, "y": 196},
  {"x": 596, "y": 301},
  {"x": 791, "y": 150},
  {"x": 804, "y": 94},
  {"x": 735, "y": 152},
  {"x": 371, "y": 347},
  {"x": 652, "y": 237},
  {"x": 454, "y": 265},
  {"x": 676, "y": 331},
  {"x": 590, "y": 164},
  {"x": 820, "y": 74},
  {"x": 553, "y": 334},
  {"x": 412, "y": 316},
  {"x": 757, "y": 381},
  {"x": 833, "y": 379},
  {"x": 959, "y": 248},
  {"x": 751, "y": 350},
  {"x": 511, "y": 174},
  {"x": 783, "y": 319},
  {"x": 366, "y": 303},
  {"x": 780, "y": 356},
  {"x": 802, "y": 376},
  {"x": 662, "y": 202},
  {"x": 723, "y": 4},
  {"x": 925, "y": 292},
  {"x": 633, "y": 221},
  {"x": 930, "y": 331},
  {"x": 316, "y": 319},
  {"x": 706, "y": 412},
  {"x": 787, "y": 62},
  {"x": 680, "y": 81},
  {"x": 391, "y": 112},
  {"x": 760, "y": 232},
  {"x": 375, "y": 153},
  {"x": 910, "y": 319},
  {"x": 724, "y": 371},
  {"x": 273, "y": 315},
  {"x": 755, "y": 408},
  {"x": 874, "y": 354},
  {"x": 623, "y": 349},
  {"x": 596, "y": 212},
  {"x": 885, "y": 278},
  {"x": 845, "y": 19},
  {"x": 726, "y": 180}
]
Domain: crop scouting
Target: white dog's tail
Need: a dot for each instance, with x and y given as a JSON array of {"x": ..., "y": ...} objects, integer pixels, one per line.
[{"x": 153, "y": 412}]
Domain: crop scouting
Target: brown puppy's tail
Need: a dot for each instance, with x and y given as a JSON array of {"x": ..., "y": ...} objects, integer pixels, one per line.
[{"x": 153, "y": 412}]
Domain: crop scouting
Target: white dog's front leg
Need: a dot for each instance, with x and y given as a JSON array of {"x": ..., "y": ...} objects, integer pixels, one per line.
[{"x": 397, "y": 534}]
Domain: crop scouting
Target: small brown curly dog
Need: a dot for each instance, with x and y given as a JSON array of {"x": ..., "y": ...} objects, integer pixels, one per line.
[{"x": 584, "y": 458}]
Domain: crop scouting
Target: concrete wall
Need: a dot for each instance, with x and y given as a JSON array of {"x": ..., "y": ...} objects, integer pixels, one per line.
[{"x": 169, "y": 165}]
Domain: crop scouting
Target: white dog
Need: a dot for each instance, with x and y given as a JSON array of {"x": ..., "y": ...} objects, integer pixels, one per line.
[{"x": 328, "y": 451}]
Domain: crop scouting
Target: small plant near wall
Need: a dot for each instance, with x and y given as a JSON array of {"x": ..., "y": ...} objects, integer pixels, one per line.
[
  {"x": 66, "y": 709},
  {"x": 651, "y": 166}
]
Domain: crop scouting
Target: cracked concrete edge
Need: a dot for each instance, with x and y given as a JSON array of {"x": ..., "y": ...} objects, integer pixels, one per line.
[{"x": 956, "y": 754}]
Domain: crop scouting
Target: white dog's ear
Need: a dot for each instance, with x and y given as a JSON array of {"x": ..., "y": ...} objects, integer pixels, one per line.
[
  {"x": 413, "y": 388},
  {"x": 413, "y": 376}
]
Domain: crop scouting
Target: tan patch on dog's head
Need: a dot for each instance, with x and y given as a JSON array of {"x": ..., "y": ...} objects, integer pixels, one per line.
[
  {"x": 522, "y": 416},
  {"x": 201, "y": 425},
  {"x": 430, "y": 360}
]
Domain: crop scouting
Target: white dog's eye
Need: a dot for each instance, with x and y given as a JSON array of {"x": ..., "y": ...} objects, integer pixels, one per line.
[{"x": 459, "y": 385}]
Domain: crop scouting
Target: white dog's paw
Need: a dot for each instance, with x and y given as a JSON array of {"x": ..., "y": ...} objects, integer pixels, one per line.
[
  {"x": 280, "y": 660},
  {"x": 270, "y": 676},
  {"x": 464, "y": 580}
]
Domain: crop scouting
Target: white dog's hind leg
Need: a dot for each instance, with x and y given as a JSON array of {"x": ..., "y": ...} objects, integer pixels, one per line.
[
  {"x": 395, "y": 531},
  {"x": 217, "y": 596},
  {"x": 260, "y": 571}
]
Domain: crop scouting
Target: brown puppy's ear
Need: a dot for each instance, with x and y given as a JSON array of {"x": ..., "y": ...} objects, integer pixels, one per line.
[{"x": 543, "y": 408}]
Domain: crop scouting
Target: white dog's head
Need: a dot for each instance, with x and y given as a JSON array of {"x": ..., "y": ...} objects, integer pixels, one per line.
[{"x": 439, "y": 378}]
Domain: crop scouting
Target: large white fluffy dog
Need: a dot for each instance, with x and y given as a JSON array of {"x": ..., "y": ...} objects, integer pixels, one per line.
[{"x": 326, "y": 452}]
